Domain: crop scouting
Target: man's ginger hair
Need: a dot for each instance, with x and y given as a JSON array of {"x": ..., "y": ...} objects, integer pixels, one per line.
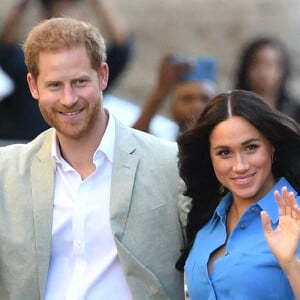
[{"x": 59, "y": 33}]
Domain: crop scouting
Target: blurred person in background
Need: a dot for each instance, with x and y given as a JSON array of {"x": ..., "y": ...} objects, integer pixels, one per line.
[
  {"x": 6, "y": 85},
  {"x": 20, "y": 118},
  {"x": 264, "y": 68},
  {"x": 188, "y": 89}
]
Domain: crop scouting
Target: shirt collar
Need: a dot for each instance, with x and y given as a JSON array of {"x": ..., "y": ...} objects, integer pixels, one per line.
[
  {"x": 223, "y": 206},
  {"x": 267, "y": 203},
  {"x": 106, "y": 146}
]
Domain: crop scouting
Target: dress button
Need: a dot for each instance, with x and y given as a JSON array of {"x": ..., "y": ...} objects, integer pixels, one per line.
[{"x": 243, "y": 226}]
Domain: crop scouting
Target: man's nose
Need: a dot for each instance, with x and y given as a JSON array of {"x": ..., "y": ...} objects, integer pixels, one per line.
[{"x": 69, "y": 97}]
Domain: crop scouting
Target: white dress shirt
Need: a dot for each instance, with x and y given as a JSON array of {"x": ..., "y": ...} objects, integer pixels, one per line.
[{"x": 84, "y": 262}]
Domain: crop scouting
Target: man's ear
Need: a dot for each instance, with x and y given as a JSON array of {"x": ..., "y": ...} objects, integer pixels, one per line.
[
  {"x": 103, "y": 75},
  {"x": 32, "y": 83}
]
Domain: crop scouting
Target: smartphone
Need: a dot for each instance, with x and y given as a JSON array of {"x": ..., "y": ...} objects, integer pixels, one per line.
[{"x": 205, "y": 68}]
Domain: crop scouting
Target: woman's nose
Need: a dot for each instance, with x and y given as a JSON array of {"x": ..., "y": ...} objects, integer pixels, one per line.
[{"x": 240, "y": 163}]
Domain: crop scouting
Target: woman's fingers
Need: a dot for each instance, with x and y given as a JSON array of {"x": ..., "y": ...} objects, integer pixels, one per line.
[
  {"x": 287, "y": 203},
  {"x": 280, "y": 202},
  {"x": 266, "y": 223}
]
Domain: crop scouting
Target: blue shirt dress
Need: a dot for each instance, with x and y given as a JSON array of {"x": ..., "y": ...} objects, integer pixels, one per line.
[{"x": 248, "y": 270}]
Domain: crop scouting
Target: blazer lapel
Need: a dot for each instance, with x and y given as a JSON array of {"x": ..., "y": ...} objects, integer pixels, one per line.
[
  {"x": 125, "y": 164},
  {"x": 42, "y": 178},
  {"x": 124, "y": 167}
]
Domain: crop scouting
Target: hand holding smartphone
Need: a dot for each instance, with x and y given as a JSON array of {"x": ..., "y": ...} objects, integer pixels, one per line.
[{"x": 205, "y": 68}]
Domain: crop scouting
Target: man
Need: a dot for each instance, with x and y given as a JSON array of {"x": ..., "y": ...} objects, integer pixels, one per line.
[{"x": 88, "y": 209}]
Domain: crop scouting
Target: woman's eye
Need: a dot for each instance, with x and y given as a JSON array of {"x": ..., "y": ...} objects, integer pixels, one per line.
[
  {"x": 223, "y": 153},
  {"x": 251, "y": 147}
]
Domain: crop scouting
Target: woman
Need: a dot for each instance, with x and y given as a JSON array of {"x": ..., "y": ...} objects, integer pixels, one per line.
[
  {"x": 264, "y": 69},
  {"x": 241, "y": 158}
]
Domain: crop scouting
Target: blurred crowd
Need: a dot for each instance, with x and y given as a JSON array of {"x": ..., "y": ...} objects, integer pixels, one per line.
[{"x": 182, "y": 85}]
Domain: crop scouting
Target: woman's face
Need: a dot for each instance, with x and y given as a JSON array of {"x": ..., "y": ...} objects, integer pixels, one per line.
[
  {"x": 242, "y": 159},
  {"x": 265, "y": 71}
]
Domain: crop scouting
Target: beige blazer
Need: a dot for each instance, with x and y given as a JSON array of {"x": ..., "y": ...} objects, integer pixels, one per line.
[{"x": 144, "y": 215}]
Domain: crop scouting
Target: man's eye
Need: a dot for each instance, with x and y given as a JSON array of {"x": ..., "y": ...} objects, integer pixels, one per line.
[
  {"x": 81, "y": 82},
  {"x": 54, "y": 84}
]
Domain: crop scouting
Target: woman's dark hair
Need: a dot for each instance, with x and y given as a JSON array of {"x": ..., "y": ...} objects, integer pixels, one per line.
[
  {"x": 247, "y": 58},
  {"x": 195, "y": 164}
]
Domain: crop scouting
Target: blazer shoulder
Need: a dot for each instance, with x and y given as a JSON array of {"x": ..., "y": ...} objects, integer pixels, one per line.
[{"x": 18, "y": 155}]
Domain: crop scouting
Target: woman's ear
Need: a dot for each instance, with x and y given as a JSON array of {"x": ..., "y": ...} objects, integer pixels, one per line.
[{"x": 273, "y": 154}]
